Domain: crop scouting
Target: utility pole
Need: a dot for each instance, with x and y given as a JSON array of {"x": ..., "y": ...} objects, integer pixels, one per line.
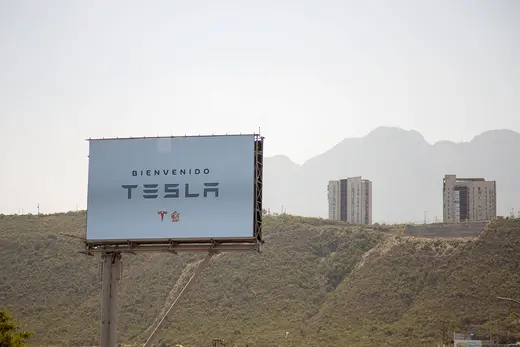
[
  {"x": 111, "y": 275},
  {"x": 38, "y": 208},
  {"x": 425, "y": 212}
]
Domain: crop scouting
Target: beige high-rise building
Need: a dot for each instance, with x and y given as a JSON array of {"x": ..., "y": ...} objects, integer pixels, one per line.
[
  {"x": 350, "y": 200},
  {"x": 468, "y": 199},
  {"x": 334, "y": 200}
]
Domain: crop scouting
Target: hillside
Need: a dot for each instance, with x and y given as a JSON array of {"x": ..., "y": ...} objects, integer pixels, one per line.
[
  {"x": 405, "y": 170},
  {"x": 324, "y": 282}
]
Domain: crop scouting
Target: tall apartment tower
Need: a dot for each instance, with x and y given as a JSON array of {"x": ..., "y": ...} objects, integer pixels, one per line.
[
  {"x": 334, "y": 200},
  {"x": 350, "y": 200},
  {"x": 468, "y": 199}
]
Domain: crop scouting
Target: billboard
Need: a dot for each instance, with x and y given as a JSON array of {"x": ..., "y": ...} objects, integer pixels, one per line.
[{"x": 174, "y": 188}]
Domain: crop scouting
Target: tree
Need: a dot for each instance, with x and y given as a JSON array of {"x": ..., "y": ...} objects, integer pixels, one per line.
[{"x": 10, "y": 336}]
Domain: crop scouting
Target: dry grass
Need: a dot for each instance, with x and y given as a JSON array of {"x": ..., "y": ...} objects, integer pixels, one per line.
[{"x": 326, "y": 283}]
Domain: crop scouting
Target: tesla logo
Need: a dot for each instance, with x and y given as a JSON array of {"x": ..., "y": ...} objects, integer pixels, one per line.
[
  {"x": 175, "y": 216},
  {"x": 162, "y": 213}
]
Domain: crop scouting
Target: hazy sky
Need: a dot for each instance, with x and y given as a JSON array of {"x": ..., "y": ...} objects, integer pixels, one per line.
[{"x": 309, "y": 73}]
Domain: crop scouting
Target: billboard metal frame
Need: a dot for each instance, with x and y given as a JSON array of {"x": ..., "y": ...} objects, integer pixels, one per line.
[
  {"x": 111, "y": 251},
  {"x": 224, "y": 244}
]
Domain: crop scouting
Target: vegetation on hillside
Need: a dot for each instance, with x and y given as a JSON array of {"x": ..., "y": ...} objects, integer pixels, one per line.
[
  {"x": 413, "y": 287},
  {"x": 10, "y": 333},
  {"x": 316, "y": 283}
]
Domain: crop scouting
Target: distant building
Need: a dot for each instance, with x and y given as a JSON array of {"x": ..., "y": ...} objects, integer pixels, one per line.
[
  {"x": 350, "y": 200},
  {"x": 334, "y": 200},
  {"x": 468, "y": 199}
]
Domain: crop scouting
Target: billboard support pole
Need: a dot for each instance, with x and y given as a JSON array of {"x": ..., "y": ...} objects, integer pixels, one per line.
[
  {"x": 111, "y": 274},
  {"x": 191, "y": 281}
]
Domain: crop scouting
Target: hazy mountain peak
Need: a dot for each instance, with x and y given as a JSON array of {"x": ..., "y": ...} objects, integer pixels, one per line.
[
  {"x": 382, "y": 134},
  {"x": 499, "y": 132},
  {"x": 385, "y": 132},
  {"x": 496, "y": 135}
]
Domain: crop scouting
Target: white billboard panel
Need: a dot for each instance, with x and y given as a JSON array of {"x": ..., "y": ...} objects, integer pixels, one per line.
[{"x": 171, "y": 188}]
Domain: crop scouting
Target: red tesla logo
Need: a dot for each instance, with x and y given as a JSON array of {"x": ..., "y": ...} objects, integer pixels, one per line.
[{"x": 162, "y": 213}]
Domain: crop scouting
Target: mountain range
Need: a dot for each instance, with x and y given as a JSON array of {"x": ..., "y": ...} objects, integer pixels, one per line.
[{"x": 406, "y": 173}]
